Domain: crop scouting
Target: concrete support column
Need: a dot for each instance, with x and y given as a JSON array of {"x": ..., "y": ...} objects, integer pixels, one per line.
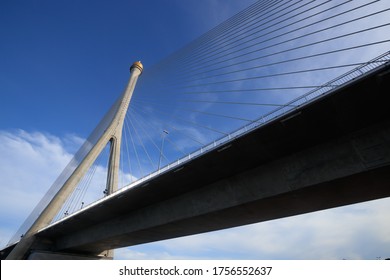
[{"x": 113, "y": 164}]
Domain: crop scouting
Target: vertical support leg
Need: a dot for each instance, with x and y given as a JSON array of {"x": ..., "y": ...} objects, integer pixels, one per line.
[
  {"x": 113, "y": 171},
  {"x": 113, "y": 164}
]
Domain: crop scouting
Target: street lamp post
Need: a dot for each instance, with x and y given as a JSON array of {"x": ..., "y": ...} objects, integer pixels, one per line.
[{"x": 162, "y": 146}]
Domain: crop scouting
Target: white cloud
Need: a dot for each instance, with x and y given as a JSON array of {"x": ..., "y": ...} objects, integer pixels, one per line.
[{"x": 29, "y": 163}]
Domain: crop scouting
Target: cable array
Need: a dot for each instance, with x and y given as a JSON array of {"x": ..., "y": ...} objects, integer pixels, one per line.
[
  {"x": 256, "y": 62},
  {"x": 249, "y": 66}
]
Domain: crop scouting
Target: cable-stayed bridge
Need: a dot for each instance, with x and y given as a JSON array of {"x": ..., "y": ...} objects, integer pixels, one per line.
[{"x": 280, "y": 110}]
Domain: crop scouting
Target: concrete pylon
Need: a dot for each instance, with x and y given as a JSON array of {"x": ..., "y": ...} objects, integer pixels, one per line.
[{"x": 112, "y": 135}]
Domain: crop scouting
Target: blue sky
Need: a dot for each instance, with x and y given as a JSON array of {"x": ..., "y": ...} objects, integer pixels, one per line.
[
  {"x": 64, "y": 63},
  {"x": 58, "y": 56}
]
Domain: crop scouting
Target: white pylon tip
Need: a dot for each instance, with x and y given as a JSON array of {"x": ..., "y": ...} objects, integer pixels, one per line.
[{"x": 137, "y": 65}]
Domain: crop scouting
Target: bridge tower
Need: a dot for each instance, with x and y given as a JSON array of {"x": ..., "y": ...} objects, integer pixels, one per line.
[{"x": 112, "y": 135}]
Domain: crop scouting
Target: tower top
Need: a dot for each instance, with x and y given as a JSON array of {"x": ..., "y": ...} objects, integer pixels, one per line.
[{"x": 137, "y": 65}]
